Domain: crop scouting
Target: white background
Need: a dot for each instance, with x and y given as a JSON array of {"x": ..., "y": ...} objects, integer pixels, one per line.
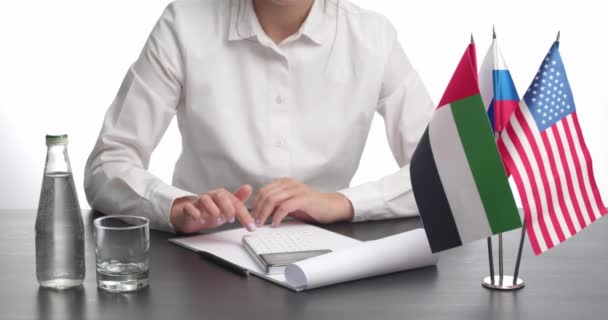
[{"x": 62, "y": 61}]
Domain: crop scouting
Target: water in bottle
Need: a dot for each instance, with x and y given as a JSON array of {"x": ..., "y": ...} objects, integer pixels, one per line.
[{"x": 59, "y": 226}]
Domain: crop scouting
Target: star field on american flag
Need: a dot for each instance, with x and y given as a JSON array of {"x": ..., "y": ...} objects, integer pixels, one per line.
[{"x": 549, "y": 98}]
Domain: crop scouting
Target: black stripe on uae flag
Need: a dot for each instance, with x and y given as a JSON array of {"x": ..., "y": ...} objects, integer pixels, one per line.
[{"x": 432, "y": 202}]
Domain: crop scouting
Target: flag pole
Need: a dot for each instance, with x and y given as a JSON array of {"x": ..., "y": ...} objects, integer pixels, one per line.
[
  {"x": 521, "y": 247},
  {"x": 491, "y": 258},
  {"x": 501, "y": 273},
  {"x": 490, "y": 282},
  {"x": 489, "y": 239}
]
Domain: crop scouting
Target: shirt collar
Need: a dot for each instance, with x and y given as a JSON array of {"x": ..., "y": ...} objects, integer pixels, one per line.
[
  {"x": 244, "y": 23},
  {"x": 314, "y": 25}
]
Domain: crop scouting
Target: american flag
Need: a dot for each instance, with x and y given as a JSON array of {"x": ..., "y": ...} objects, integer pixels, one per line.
[{"x": 543, "y": 148}]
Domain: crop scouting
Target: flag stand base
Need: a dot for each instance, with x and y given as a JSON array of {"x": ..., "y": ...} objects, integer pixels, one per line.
[{"x": 507, "y": 283}]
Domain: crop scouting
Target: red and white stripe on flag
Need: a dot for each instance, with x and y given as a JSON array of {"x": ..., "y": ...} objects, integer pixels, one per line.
[{"x": 544, "y": 149}]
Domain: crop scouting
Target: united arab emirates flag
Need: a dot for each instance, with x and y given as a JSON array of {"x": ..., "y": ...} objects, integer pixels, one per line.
[{"x": 459, "y": 181}]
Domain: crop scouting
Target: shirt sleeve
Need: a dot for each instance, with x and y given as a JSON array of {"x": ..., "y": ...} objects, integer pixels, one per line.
[
  {"x": 407, "y": 108},
  {"x": 116, "y": 177}
]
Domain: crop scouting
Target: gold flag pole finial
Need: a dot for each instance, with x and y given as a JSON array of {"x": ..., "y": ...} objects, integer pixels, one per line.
[
  {"x": 472, "y": 40},
  {"x": 558, "y": 35},
  {"x": 494, "y": 32}
]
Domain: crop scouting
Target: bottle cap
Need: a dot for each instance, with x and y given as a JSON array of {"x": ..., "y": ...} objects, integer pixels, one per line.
[{"x": 56, "y": 139}]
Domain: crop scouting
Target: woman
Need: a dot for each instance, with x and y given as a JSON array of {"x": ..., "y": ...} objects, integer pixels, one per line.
[{"x": 274, "y": 101}]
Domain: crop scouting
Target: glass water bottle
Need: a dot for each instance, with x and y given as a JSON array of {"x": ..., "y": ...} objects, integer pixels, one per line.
[{"x": 59, "y": 227}]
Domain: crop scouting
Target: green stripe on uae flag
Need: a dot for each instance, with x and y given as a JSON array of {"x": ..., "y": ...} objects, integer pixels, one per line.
[{"x": 458, "y": 178}]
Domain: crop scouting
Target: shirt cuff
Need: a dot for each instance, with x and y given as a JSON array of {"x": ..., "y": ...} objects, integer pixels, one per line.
[
  {"x": 165, "y": 195},
  {"x": 366, "y": 200}
]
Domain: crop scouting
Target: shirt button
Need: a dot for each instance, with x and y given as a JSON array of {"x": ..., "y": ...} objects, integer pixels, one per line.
[
  {"x": 279, "y": 100},
  {"x": 281, "y": 143}
]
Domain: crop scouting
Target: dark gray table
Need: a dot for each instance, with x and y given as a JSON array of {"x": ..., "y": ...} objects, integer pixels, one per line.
[{"x": 566, "y": 283}]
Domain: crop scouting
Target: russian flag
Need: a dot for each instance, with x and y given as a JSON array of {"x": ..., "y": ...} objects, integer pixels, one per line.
[{"x": 497, "y": 89}]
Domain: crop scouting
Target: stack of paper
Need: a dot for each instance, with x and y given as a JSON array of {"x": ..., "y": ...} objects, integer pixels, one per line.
[{"x": 351, "y": 259}]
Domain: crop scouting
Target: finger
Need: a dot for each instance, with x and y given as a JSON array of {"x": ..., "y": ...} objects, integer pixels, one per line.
[
  {"x": 291, "y": 205},
  {"x": 224, "y": 202},
  {"x": 264, "y": 192},
  {"x": 190, "y": 221},
  {"x": 242, "y": 214},
  {"x": 192, "y": 213},
  {"x": 272, "y": 201},
  {"x": 261, "y": 193},
  {"x": 210, "y": 208},
  {"x": 243, "y": 193}
]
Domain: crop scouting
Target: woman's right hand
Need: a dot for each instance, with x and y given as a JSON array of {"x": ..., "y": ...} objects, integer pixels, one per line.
[{"x": 212, "y": 209}]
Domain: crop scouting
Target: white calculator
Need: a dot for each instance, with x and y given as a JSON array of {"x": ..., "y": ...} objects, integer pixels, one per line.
[{"x": 273, "y": 251}]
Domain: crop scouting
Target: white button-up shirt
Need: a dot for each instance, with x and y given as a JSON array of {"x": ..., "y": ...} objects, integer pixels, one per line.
[{"x": 251, "y": 111}]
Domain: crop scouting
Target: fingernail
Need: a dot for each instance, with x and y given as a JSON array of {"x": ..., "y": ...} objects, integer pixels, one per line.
[
  {"x": 251, "y": 226},
  {"x": 232, "y": 220},
  {"x": 202, "y": 221},
  {"x": 258, "y": 222},
  {"x": 220, "y": 220}
]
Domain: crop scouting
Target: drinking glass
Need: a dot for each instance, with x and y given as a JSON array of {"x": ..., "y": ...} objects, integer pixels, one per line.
[{"x": 122, "y": 246}]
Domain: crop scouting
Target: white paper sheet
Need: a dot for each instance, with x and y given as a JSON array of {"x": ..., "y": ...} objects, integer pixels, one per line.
[
  {"x": 351, "y": 259},
  {"x": 227, "y": 245},
  {"x": 400, "y": 252}
]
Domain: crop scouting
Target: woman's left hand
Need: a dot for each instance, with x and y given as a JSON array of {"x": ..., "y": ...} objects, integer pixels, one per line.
[{"x": 287, "y": 196}]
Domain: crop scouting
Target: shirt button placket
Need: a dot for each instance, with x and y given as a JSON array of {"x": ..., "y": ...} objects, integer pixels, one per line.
[{"x": 280, "y": 132}]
